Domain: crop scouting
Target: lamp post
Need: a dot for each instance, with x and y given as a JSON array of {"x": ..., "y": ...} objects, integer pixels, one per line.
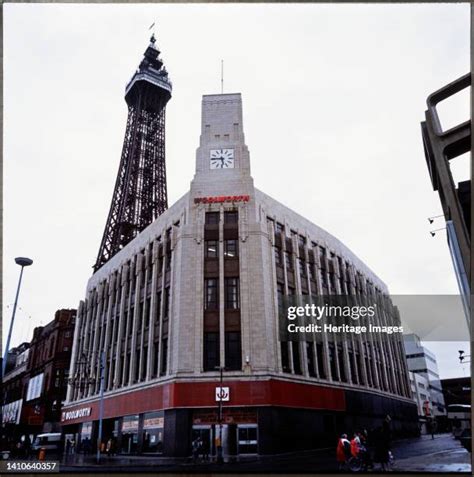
[
  {"x": 220, "y": 456},
  {"x": 81, "y": 381},
  {"x": 101, "y": 404},
  {"x": 23, "y": 262}
]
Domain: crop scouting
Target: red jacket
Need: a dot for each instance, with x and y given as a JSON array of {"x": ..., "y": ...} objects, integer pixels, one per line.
[
  {"x": 355, "y": 447},
  {"x": 341, "y": 451}
]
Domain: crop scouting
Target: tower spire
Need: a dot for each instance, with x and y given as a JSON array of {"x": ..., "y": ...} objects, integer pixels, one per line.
[{"x": 140, "y": 193}]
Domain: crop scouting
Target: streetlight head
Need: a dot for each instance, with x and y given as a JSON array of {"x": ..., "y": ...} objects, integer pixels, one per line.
[{"x": 23, "y": 261}]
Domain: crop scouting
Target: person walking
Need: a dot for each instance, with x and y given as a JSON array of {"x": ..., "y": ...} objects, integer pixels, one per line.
[
  {"x": 343, "y": 451},
  {"x": 195, "y": 449},
  {"x": 355, "y": 445},
  {"x": 382, "y": 447},
  {"x": 68, "y": 446},
  {"x": 27, "y": 446},
  {"x": 108, "y": 447}
]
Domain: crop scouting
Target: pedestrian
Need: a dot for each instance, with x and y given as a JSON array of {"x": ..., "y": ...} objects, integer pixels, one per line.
[
  {"x": 355, "y": 445},
  {"x": 195, "y": 449},
  {"x": 87, "y": 446},
  {"x": 68, "y": 446},
  {"x": 382, "y": 447},
  {"x": 72, "y": 449},
  {"x": 27, "y": 446},
  {"x": 109, "y": 447},
  {"x": 19, "y": 449},
  {"x": 343, "y": 451},
  {"x": 201, "y": 448},
  {"x": 205, "y": 449}
]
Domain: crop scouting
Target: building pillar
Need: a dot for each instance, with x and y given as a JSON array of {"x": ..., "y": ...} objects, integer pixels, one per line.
[{"x": 118, "y": 364}]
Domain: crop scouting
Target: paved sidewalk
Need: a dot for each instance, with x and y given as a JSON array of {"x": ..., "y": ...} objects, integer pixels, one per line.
[{"x": 422, "y": 454}]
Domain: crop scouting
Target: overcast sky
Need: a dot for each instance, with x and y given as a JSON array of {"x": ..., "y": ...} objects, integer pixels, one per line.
[{"x": 333, "y": 97}]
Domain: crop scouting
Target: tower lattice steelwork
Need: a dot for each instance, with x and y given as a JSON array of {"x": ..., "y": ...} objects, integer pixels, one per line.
[{"x": 140, "y": 193}]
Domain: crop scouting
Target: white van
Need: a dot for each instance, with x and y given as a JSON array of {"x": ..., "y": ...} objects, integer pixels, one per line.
[{"x": 50, "y": 442}]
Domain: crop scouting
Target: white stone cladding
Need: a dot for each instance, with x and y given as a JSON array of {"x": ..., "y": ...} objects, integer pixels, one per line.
[{"x": 168, "y": 257}]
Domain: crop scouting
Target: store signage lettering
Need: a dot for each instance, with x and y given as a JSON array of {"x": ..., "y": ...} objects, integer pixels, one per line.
[
  {"x": 129, "y": 425},
  {"x": 153, "y": 422},
  {"x": 221, "y": 198},
  {"x": 83, "y": 412}
]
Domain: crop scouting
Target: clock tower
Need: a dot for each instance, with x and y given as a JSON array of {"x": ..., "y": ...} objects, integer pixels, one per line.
[{"x": 222, "y": 158}]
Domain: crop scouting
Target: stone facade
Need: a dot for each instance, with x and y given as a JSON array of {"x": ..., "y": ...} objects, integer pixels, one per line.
[{"x": 201, "y": 287}]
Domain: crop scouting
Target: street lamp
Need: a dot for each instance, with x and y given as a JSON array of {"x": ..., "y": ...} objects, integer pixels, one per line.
[{"x": 23, "y": 262}]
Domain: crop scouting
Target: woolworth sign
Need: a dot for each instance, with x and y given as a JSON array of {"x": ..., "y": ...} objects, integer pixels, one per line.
[{"x": 82, "y": 412}]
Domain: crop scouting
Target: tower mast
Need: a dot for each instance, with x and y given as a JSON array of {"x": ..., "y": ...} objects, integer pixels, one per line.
[{"x": 140, "y": 193}]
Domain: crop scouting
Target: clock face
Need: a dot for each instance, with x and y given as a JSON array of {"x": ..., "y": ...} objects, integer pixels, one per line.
[{"x": 222, "y": 158}]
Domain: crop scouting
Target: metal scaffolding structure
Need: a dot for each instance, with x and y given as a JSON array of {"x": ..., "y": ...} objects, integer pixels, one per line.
[{"x": 140, "y": 193}]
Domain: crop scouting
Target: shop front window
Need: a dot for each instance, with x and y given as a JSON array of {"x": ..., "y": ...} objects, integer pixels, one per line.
[
  {"x": 130, "y": 434},
  {"x": 247, "y": 439},
  {"x": 153, "y": 425}
]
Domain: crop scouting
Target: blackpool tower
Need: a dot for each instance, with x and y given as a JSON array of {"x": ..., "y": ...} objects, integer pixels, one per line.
[{"x": 140, "y": 194}]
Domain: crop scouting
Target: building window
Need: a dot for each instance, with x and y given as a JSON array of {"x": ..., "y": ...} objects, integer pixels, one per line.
[
  {"x": 147, "y": 312},
  {"x": 301, "y": 240},
  {"x": 296, "y": 358},
  {"x": 212, "y": 249},
  {"x": 211, "y": 298},
  {"x": 323, "y": 277},
  {"x": 277, "y": 253},
  {"x": 302, "y": 267},
  {"x": 211, "y": 351},
  {"x": 280, "y": 227},
  {"x": 342, "y": 370},
  {"x": 231, "y": 217},
  {"x": 140, "y": 316},
  {"x": 166, "y": 303},
  {"x": 310, "y": 358},
  {"x": 289, "y": 262},
  {"x": 232, "y": 293},
  {"x": 231, "y": 248},
  {"x": 320, "y": 359},
  {"x": 280, "y": 294},
  {"x": 285, "y": 360},
  {"x": 164, "y": 355},
  {"x": 155, "y": 358},
  {"x": 332, "y": 361},
  {"x": 212, "y": 218},
  {"x": 233, "y": 356}
]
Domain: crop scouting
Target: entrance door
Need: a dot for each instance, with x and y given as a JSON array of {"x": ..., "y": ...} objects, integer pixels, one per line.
[
  {"x": 204, "y": 432},
  {"x": 247, "y": 438}
]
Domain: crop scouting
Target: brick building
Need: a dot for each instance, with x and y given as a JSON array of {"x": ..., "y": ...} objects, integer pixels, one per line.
[
  {"x": 13, "y": 385},
  {"x": 200, "y": 289},
  {"x": 35, "y": 387}
]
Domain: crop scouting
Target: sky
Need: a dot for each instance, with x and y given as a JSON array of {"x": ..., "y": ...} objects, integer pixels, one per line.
[{"x": 333, "y": 97}]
